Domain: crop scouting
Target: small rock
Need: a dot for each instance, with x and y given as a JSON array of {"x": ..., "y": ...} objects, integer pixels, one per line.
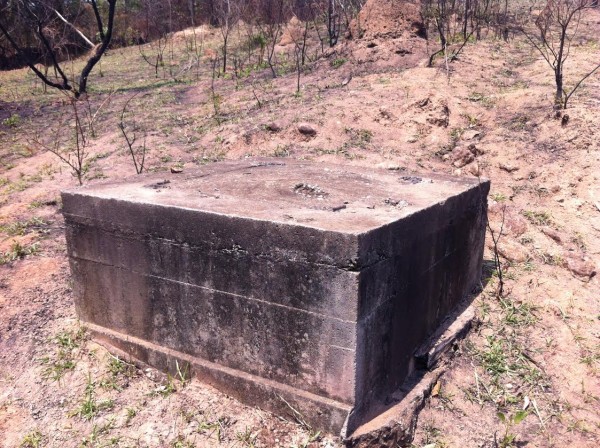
[
  {"x": 307, "y": 129},
  {"x": 508, "y": 168},
  {"x": 385, "y": 113},
  {"x": 439, "y": 115},
  {"x": 424, "y": 102},
  {"x": 576, "y": 203},
  {"x": 515, "y": 224},
  {"x": 230, "y": 140},
  {"x": 412, "y": 139},
  {"x": 151, "y": 374},
  {"x": 400, "y": 203},
  {"x": 509, "y": 221},
  {"x": 274, "y": 126},
  {"x": 580, "y": 266},
  {"x": 475, "y": 150},
  {"x": 513, "y": 251},
  {"x": 403, "y": 51},
  {"x": 346, "y": 81},
  {"x": 442, "y": 122},
  {"x": 462, "y": 156},
  {"x": 176, "y": 169},
  {"x": 470, "y": 134},
  {"x": 475, "y": 169},
  {"x": 553, "y": 234}
]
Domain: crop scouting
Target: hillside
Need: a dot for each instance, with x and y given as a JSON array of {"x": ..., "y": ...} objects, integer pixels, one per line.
[{"x": 369, "y": 102}]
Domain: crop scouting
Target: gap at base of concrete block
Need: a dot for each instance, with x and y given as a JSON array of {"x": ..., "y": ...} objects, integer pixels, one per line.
[{"x": 395, "y": 426}]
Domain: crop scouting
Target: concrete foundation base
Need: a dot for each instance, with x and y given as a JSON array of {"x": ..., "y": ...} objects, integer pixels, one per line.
[{"x": 294, "y": 286}]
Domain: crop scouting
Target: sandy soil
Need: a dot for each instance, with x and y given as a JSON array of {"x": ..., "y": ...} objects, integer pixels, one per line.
[{"x": 536, "y": 348}]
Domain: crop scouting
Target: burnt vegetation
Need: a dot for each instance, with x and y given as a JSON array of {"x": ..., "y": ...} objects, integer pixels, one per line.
[{"x": 46, "y": 35}]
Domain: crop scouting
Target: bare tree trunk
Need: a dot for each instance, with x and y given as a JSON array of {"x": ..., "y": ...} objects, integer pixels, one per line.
[
  {"x": 225, "y": 38},
  {"x": 64, "y": 84},
  {"x": 558, "y": 69},
  {"x": 466, "y": 18},
  {"x": 558, "y": 77},
  {"x": 331, "y": 23},
  {"x": 192, "y": 4},
  {"x": 112, "y": 4}
]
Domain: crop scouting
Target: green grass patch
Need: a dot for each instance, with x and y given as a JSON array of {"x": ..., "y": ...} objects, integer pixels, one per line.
[
  {"x": 12, "y": 121},
  {"x": 32, "y": 439},
  {"x": 90, "y": 406},
  {"x": 67, "y": 344},
  {"x": 538, "y": 218},
  {"x": 19, "y": 228},
  {"x": 18, "y": 251}
]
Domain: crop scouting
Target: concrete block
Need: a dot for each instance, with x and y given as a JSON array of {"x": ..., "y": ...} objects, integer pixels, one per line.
[{"x": 290, "y": 285}]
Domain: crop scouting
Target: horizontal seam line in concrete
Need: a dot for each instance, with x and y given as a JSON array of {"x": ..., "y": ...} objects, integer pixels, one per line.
[
  {"x": 223, "y": 292},
  {"x": 342, "y": 348},
  {"x": 217, "y": 367},
  {"x": 131, "y": 234}
]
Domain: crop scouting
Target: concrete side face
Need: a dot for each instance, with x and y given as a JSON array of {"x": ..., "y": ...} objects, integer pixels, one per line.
[
  {"x": 249, "y": 308},
  {"x": 420, "y": 269}
]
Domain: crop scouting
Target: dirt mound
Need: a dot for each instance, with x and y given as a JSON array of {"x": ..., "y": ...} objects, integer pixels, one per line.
[
  {"x": 389, "y": 19},
  {"x": 292, "y": 32},
  {"x": 388, "y": 33}
]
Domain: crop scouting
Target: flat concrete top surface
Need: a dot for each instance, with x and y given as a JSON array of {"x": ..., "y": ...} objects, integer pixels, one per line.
[{"x": 341, "y": 198}]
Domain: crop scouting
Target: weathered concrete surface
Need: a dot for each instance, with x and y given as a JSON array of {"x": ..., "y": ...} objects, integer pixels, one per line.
[{"x": 287, "y": 284}]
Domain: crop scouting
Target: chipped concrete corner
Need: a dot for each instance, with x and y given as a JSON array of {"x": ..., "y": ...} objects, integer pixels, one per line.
[{"x": 301, "y": 288}]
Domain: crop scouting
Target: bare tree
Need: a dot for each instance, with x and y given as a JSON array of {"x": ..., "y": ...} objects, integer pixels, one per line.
[
  {"x": 496, "y": 236},
  {"x": 129, "y": 132},
  {"x": 39, "y": 17},
  {"x": 158, "y": 47},
  {"x": 333, "y": 23},
  {"x": 556, "y": 26},
  {"x": 214, "y": 96},
  {"x": 454, "y": 24},
  {"x": 271, "y": 26},
  {"x": 73, "y": 150},
  {"x": 226, "y": 15}
]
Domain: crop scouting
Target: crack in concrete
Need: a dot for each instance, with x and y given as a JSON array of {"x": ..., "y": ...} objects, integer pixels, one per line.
[{"x": 226, "y": 293}]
